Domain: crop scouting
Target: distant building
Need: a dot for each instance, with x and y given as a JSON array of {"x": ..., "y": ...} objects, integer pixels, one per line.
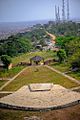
[{"x": 36, "y": 60}]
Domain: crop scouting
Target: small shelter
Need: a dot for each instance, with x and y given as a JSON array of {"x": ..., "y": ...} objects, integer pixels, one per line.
[{"x": 36, "y": 60}]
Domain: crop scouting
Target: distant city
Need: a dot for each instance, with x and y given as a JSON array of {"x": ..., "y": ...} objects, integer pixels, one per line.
[{"x": 9, "y": 28}]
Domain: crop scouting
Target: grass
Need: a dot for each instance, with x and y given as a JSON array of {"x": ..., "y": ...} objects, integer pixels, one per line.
[
  {"x": 75, "y": 75},
  {"x": 15, "y": 114},
  {"x": 70, "y": 113},
  {"x": 2, "y": 82},
  {"x": 60, "y": 67},
  {"x": 26, "y": 57},
  {"x": 10, "y": 73},
  {"x": 65, "y": 68},
  {"x": 39, "y": 74}
]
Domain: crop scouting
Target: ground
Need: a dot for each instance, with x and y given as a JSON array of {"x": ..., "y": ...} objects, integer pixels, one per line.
[
  {"x": 39, "y": 74},
  {"x": 70, "y": 113},
  {"x": 65, "y": 68},
  {"x": 26, "y": 57}
]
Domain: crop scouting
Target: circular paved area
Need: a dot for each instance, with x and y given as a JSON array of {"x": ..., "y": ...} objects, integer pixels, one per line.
[{"x": 39, "y": 98}]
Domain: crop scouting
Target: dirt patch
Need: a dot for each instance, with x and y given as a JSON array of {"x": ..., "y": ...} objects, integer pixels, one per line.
[{"x": 70, "y": 113}]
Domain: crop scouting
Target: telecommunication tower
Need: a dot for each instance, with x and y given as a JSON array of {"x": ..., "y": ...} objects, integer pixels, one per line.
[
  {"x": 63, "y": 10},
  {"x": 67, "y": 10}
]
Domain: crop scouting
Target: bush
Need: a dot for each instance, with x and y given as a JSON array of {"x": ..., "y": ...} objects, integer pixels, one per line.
[
  {"x": 6, "y": 60},
  {"x": 76, "y": 63},
  {"x": 61, "y": 55}
]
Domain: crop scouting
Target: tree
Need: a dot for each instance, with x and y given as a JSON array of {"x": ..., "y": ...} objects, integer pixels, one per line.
[
  {"x": 61, "y": 55},
  {"x": 6, "y": 60},
  {"x": 76, "y": 64}
]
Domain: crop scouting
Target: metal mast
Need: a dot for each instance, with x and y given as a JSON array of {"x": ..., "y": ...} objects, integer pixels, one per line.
[
  {"x": 58, "y": 15},
  {"x": 67, "y": 10},
  {"x": 63, "y": 11}
]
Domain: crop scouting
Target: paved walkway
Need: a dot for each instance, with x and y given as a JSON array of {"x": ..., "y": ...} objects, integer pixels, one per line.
[
  {"x": 69, "y": 77},
  {"x": 55, "y": 98},
  {"x": 10, "y": 80},
  {"x": 6, "y": 92}
]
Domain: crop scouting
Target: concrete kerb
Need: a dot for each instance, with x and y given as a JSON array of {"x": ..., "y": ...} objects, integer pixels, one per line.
[
  {"x": 7, "y": 106},
  {"x": 75, "y": 88}
]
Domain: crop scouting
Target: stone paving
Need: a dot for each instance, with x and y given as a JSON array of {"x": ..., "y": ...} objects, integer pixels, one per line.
[{"x": 53, "y": 97}]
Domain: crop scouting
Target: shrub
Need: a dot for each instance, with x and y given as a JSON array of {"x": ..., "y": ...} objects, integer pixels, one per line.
[{"x": 6, "y": 60}]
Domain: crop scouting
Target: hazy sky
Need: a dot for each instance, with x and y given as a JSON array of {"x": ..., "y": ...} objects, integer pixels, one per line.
[{"x": 29, "y": 10}]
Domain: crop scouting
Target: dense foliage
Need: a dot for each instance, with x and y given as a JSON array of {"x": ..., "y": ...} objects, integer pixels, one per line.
[
  {"x": 72, "y": 47},
  {"x": 68, "y": 39},
  {"x": 6, "y": 60},
  {"x": 15, "y": 45},
  {"x": 61, "y": 55}
]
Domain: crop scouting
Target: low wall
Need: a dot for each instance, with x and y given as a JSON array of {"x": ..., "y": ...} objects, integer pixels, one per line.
[{"x": 3, "y": 105}]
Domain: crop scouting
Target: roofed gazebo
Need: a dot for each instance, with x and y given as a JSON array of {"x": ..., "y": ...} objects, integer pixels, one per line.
[{"x": 36, "y": 60}]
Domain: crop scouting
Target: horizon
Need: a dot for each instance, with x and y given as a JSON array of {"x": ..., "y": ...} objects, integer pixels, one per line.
[{"x": 26, "y": 11}]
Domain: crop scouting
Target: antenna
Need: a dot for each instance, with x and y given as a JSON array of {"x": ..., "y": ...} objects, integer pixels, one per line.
[
  {"x": 63, "y": 11},
  {"x": 67, "y": 10},
  {"x": 55, "y": 13},
  {"x": 58, "y": 15}
]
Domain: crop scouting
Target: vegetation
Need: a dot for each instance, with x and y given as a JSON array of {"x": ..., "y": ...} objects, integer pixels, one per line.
[
  {"x": 39, "y": 74},
  {"x": 66, "y": 29},
  {"x": 14, "y": 45},
  {"x": 2, "y": 82},
  {"x": 26, "y": 56},
  {"x": 6, "y": 60},
  {"x": 71, "y": 113},
  {"x": 61, "y": 55},
  {"x": 10, "y": 73},
  {"x": 72, "y": 47}
]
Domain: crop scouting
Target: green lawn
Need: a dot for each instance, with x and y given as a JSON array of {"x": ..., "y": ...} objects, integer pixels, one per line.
[
  {"x": 26, "y": 57},
  {"x": 10, "y": 73},
  {"x": 39, "y": 74},
  {"x": 75, "y": 75},
  {"x": 2, "y": 82},
  {"x": 65, "y": 68},
  {"x": 60, "y": 67}
]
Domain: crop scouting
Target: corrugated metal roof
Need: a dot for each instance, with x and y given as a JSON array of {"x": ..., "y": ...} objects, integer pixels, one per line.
[{"x": 37, "y": 58}]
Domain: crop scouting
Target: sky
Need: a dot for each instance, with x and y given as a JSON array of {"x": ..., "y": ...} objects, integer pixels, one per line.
[{"x": 30, "y": 10}]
